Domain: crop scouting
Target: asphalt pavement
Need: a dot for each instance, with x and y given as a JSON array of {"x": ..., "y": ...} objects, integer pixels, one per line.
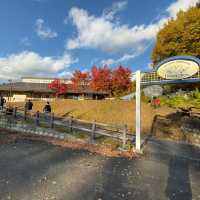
[{"x": 33, "y": 170}]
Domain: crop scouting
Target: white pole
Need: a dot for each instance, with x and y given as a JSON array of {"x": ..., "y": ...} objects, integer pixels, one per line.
[{"x": 138, "y": 111}]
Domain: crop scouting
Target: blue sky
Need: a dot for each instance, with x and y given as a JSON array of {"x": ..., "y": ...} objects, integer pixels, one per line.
[{"x": 55, "y": 37}]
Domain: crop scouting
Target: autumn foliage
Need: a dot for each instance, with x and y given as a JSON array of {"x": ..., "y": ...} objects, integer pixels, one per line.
[
  {"x": 80, "y": 79},
  {"x": 121, "y": 80},
  {"x": 101, "y": 79},
  {"x": 115, "y": 81},
  {"x": 180, "y": 36},
  {"x": 57, "y": 86}
]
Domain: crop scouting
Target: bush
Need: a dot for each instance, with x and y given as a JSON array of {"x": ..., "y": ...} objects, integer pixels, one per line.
[
  {"x": 177, "y": 101},
  {"x": 164, "y": 101},
  {"x": 145, "y": 98},
  {"x": 197, "y": 94},
  {"x": 196, "y": 102},
  {"x": 180, "y": 101}
]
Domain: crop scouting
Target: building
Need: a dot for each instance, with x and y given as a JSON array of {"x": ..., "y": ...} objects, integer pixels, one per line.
[
  {"x": 43, "y": 80},
  {"x": 36, "y": 88}
]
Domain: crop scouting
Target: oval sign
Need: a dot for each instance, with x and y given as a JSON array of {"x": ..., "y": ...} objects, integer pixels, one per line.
[{"x": 178, "y": 67}]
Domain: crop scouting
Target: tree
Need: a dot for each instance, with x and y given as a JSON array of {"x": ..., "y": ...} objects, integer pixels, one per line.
[
  {"x": 121, "y": 80},
  {"x": 180, "y": 36},
  {"x": 57, "y": 86},
  {"x": 101, "y": 79},
  {"x": 198, "y": 4},
  {"x": 80, "y": 79}
]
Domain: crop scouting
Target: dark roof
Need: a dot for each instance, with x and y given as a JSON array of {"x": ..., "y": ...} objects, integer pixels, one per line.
[
  {"x": 25, "y": 87},
  {"x": 43, "y": 88}
]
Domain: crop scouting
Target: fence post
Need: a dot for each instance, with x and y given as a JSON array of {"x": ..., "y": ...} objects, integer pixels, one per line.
[
  {"x": 93, "y": 131},
  {"x": 37, "y": 118},
  {"x": 124, "y": 136},
  {"x": 52, "y": 120},
  {"x": 15, "y": 112},
  {"x": 25, "y": 113},
  {"x": 70, "y": 123}
]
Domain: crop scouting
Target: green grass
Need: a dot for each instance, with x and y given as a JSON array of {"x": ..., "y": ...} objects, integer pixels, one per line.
[
  {"x": 180, "y": 101},
  {"x": 80, "y": 135},
  {"x": 108, "y": 141}
]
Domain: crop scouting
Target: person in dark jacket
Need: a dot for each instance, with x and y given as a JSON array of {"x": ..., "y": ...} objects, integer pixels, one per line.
[
  {"x": 47, "y": 108},
  {"x": 2, "y": 102},
  {"x": 29, "y": 105}
]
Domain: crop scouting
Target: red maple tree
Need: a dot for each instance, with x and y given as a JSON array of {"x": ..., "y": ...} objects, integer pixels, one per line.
[
  {"x": 121, "y": 79},
  {"x": 101, "y": 78},
  {"x": 80, "y": 80},
  {"x": 57, "y": 86}
]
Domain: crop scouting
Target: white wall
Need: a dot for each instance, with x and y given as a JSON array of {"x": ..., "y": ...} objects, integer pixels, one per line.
[{"x": 40, "y": 80}]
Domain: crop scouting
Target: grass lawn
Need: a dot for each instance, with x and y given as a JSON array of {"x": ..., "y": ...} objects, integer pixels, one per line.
[{"x": 105, "y": 111}]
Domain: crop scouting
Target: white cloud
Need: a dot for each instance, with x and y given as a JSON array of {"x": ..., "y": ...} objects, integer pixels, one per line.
[
  {"x": 65, "y": 20},
  {"x": 25, "y": 41},
  {"x": 178, "y": 5},
  {"x": 109, "y": 13},
  {"x": 30, "y": 63},
  {"x": 124, "y": 58},
  {"x": 98, "y": 32},
  {"x": 149, "y": 65},
  {"x": 111, "y": 36},
  {"x": 65, "y": 74},
  {"x": 42, "y": 31}
]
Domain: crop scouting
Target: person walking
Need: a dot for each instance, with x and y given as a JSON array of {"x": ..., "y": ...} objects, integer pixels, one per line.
[
  {"x": 47, "y": 108},
  {"x": 157, "y": 102},
  {"x": 153, "y": 102},
  {"x": 2, "y": 102},
  {"x": 29, "y": 105}
]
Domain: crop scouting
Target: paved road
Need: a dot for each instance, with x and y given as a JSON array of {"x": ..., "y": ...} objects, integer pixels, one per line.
[{"x": 31, "y": 170}]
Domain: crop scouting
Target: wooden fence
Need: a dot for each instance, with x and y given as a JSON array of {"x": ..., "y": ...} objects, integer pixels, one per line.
[{"x": 68, "y": 125}]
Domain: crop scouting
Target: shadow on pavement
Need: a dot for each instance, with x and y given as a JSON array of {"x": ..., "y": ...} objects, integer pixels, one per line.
[
  {"x": 178, "y": 185},
  {"x": 182, "y": 159},
  {"x": 117, "y": 185},
  {"x": 22, "y": 166},
  {"x": 110, "y": 183}
]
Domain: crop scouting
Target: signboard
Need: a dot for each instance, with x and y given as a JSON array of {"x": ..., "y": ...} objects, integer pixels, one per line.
[
  {"x": 153, "y": 91},
  {"x": 180, "y": 67}
]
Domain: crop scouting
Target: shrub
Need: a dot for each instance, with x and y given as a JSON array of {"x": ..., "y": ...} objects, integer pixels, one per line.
[
  {"x": 197, "y": 94},
  {"x": 144, "y": 98},
  {"x": 164, "y": 101},
  {"x": 180, "y": 101}
]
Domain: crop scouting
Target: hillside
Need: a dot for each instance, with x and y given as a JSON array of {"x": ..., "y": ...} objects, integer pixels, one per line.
[{"x": 105, "y": 111}]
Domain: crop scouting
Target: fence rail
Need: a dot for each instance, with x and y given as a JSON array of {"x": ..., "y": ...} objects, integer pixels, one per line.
[{"x": 33, "y": 120}]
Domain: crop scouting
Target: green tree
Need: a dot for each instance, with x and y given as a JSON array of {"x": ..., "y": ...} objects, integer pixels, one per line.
[{"x": 180, "y": 36}]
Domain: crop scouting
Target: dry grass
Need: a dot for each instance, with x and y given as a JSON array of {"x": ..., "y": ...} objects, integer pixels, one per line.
[{"x": 105, "y": 111}]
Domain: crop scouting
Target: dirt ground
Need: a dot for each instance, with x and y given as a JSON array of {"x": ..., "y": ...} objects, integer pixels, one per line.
[
  {"x": 37, "y": 170},
  {"x": 100, "y": 149}
]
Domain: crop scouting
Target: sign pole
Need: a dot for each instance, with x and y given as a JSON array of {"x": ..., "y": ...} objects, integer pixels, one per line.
[{"x": 138, "y": 111}]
